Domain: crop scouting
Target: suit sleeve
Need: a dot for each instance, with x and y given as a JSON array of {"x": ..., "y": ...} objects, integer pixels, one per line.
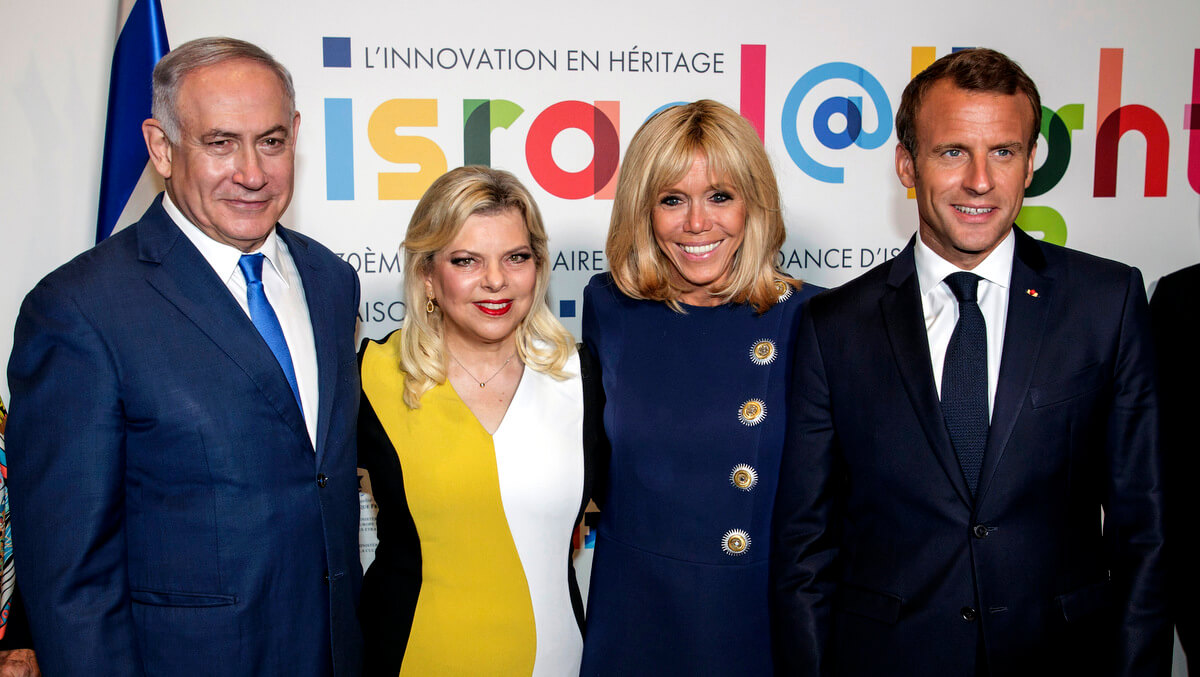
[
  {"x": 66, "y": 460},
  {"x": 804, "y": 539},
  {"x": 1134, "y": 510}
]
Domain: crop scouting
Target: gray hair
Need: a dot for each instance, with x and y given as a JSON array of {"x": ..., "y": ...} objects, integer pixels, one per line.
[{"x": 184, "y": 59}]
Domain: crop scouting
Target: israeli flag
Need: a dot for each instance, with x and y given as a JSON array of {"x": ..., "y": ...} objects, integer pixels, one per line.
[{"x": 127, "y": 180}]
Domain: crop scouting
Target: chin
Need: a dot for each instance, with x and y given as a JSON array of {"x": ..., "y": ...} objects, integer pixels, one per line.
[
  {"x": 491, "y": 337},
  {"x": 701, "y": 279},
  {"x": 494, "y": 333}
]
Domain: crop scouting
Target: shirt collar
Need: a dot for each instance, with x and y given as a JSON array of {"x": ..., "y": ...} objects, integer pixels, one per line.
[
  {"x": 222, "y": 257},
  {"x": 995, "y": 268}
]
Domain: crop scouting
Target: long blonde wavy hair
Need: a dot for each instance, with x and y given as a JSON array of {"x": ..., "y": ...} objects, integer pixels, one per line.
[
  {"x": 542, "y": 342},
  {"x": 659, "y": 155}
]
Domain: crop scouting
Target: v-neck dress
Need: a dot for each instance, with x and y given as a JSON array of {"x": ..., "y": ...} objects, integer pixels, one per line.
[{"x": 471, "y": 575}]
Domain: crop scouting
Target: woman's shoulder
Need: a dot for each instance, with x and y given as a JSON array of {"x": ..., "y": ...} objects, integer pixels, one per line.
[
  {"x": 806, "y": 291},
  {"x": 572, "y": 367},
  {"x": 603, "y": 294},
  {"x": 602, "y": 287},
  {"x": 392, "y": 338},
  {"x": 793, "y": 296},
  {"x": 375, "y": 353},
  {"x": 785, "y": 313}
]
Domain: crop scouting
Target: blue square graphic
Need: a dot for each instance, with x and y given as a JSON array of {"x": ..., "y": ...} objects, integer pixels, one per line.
[
  {"x": 566, "y": 308},
  {"x": 336, "y": 52}
]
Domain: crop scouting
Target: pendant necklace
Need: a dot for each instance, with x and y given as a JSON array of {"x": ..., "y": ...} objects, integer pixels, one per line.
[{"x": 483, "y": 383}]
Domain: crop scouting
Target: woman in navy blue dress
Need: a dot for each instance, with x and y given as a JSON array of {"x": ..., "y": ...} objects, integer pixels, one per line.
[{"x": 693, "y": 329}]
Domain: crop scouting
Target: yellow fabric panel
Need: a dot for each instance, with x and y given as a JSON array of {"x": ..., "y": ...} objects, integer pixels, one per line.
[{"x": 474, "y": 615}]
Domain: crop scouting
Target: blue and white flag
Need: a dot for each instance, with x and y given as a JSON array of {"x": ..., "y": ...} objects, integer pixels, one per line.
[{"x": 141, "y": 42}]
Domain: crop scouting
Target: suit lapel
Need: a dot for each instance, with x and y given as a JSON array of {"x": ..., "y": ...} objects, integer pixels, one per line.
[
  {"x": 904, "y": 319},
  {"x": 1023, "y": 333},
  {"x": 185, "y": 279},
  {"x": 324, "y": 328}
]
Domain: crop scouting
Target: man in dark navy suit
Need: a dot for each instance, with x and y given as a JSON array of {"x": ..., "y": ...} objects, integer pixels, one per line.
[
  {"x": 181, "y": 441},
  {"x": 1175, "y": 318},
  {"x": 971, "y": 483}
]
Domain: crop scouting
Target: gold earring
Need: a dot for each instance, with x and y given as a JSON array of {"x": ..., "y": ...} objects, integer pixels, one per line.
[{"x": 429, "y": 305}]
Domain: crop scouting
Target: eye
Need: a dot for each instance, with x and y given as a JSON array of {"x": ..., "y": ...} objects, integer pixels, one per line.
[
  {"x": 220, "y": 146},
  {"x": 520, "y": 257},
  {"x": 670, "y": 200},
  {"x": 1004, "y": 152},
  {"x": 721, "y": 196},
  {"x": 462, "y": 261},
  {"x": 953, "y": 152},
  {"x": 273, "y": 144}
]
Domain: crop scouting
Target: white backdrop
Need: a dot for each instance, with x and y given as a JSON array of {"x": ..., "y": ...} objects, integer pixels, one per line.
[
  {"x": 399, "y": 107},
  {"x": 410, "y": 118}
]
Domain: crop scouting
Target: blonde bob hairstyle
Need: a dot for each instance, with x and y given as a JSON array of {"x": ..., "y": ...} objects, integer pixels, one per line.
[
  {"x": 659, "y": 156},
  {"x": 542, "y": 342}
]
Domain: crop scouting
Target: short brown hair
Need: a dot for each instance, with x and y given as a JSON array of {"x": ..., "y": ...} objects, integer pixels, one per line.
[
  {"x": 979, "y": 70},
  {"x": 659, "y": 155}
]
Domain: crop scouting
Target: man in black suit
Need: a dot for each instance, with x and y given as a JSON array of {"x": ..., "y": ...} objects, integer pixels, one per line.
[
  {"x": 1175, "y": 318},
  {"x": 971, "y": 479}
]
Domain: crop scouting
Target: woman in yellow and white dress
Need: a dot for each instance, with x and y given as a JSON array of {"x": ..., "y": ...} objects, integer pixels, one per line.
[{"x": 471, "y": 428}]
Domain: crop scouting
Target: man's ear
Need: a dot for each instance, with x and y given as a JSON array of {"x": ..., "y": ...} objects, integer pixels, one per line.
[
  {"x": 906, "y": 168},
  {"x": 159, "y": 146}
]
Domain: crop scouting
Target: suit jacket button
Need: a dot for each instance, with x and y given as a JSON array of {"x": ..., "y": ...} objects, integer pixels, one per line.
[
  {"x": 735, "y": 542},
  {"x": 752, "y": 412},
  {"x": 763, "y": 352},
  {"x": 322, "y": 480},
  {"x": 980, "y": 531},
  {"x": 968, "y": 613},
  {"x": 743, "y": 477}
]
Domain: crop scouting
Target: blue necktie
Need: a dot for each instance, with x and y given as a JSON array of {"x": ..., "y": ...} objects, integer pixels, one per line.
[
  {"x": 264, "y": 319},
  {"x": 965, "y": 379}
]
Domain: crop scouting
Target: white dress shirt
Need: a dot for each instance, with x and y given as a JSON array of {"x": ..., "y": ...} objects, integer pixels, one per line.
[
  {"x": 941, "y": 308},
  {"x": 285, "y": 292}
]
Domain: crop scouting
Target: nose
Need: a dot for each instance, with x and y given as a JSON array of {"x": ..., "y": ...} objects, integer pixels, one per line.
[
  {"x": 979, "y": 175},
  {"x": 248, "y": 171},
  {"x": 697, "y": 219},
  {"x": 494, "y": 276}
]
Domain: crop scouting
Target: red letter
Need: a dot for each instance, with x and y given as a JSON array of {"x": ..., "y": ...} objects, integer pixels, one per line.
[
  {"x": 1113, "y": 122},
  {"x": 606, "y": 148}
]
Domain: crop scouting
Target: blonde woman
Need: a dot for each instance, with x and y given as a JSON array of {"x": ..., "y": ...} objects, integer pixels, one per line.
[
  {"x": 693, "y": 331},
  {"x": 471, "y": 428}
]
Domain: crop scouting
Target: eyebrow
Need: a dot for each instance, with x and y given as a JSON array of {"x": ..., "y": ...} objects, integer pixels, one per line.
[
  {"x": 467, "y": 252},
  {"x": 277, "y": 129},
  {"x": 217, "y": 133},
  {"x": 942, "y": 147},
  {"x": 722, "y": 187}
]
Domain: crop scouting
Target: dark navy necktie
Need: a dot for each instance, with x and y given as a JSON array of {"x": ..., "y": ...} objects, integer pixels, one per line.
[
  {"x": 965, "y": 379},
  {"x": 264, "y": 319}
]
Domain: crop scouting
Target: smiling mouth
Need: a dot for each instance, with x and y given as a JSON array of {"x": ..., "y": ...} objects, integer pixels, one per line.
[
  {"x": 973, "y": 211},
  {"x": 699, "y": 249},
  {"x": 247, "y": 205},
  {"x": 495, "y": 308}
]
